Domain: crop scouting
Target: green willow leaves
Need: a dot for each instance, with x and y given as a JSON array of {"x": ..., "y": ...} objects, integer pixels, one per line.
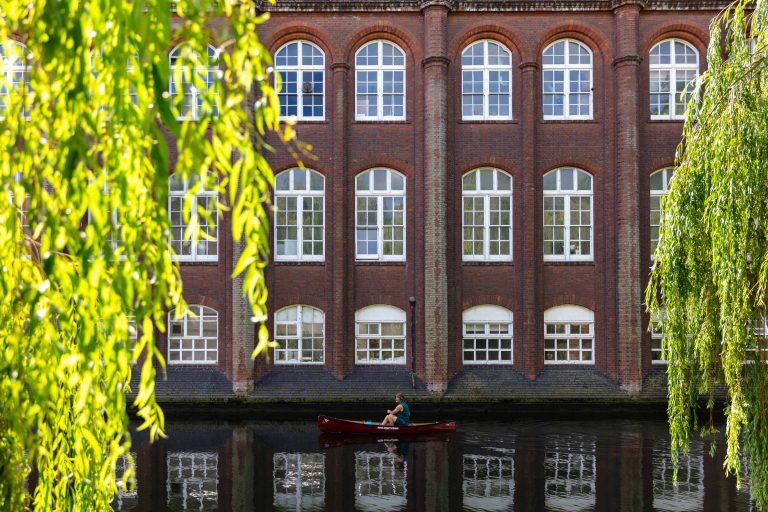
[
  {"x": 710, "y": 278},
  {"x": 87, "y": 272}
]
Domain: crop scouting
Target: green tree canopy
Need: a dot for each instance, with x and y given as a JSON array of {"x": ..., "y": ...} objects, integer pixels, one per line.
[
  {"x": 709, "y": 283},
  {"x": 84, "y": 231}
]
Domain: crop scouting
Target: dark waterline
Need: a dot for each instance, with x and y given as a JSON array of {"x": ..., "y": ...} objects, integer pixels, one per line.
[{"x": 609, "y": 465}]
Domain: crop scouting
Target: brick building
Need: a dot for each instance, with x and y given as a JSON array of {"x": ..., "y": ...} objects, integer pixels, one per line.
[{"x": 479, "y": 215}]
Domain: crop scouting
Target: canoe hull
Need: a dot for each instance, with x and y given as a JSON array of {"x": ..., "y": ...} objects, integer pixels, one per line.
[{"x": 338, "y": 426}]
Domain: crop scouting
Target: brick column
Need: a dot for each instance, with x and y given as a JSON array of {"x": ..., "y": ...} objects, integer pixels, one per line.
[
  {"x": 626, "y": 70},
  {"x": 531, "y": 260},
  {"x": 243, "y": 331},
  {"x": 336, "y": 250},
  {"x": 435, "y": 80}
]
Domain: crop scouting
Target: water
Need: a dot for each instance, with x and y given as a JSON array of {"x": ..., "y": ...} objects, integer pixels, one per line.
[{"x": 610, "y": 465}]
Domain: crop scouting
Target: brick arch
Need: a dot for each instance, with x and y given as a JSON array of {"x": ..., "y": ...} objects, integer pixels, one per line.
[
  {"x": 296, "y": 300},
  {"x": 491, "y": 162},
  {"x": 176, "y": 40},
  {"x": 202, "y": 300},
  {"x": 400, "y": 167},
  {"x": 659, "y": 165},
  {"x": 489, "y": 300},
  {"x": 317, "y": 168},
  {"x": 587, "y": 34},
  {"x": 386, "y": 300},
  {"x": 691, "y": 33},
  {"x": 584, "y": 166},
  {"x": 297, "y": 30},
  {"x": 386, "y": 31},
  {"x": 512, "y": 41},
  {"x": 567, "y": 299}
]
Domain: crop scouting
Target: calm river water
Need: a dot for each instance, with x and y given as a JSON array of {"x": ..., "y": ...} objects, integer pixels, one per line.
[{"x": 609, "y": 465}]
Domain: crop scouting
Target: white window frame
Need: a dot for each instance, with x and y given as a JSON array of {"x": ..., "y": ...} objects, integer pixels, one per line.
[
  {"x": 567, "y": 194},
  {"x": 570, "y": 466},
  {"x": 759, "y": 351},
  {"x": 191, "y": 487},
  {"x": 206, "y": 193},
  {"x": 299, "y": 337},
  {"x": 380, "y": 69},
  {"x": 300, "y": 69},
  {"x": 208, "y": 74},
  {"x": 657, "y": 339},
  {"x": 486, "y": 69},
  {"x": 12, "y": 63},
  {"x": 666, "y": 174},
  {"x": 380, "y": 314},
  {"x": 292, "y": 191},
  {"x": 566, "y": 67},
  {"x": 673, "y": 68},
  {"x": 201, "y": 314},
  {"x": 380, "y": 195},
  {"x": 489, "y": 482},
  {"x": 486, "y": 195},
  {"x": 569, "y": 314},
  {"x": 488, "y": 315}
]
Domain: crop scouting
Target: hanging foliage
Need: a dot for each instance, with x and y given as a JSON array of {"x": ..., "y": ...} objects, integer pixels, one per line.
[
  {"x": 709, "y": 283},
  {"x": 88, "y": 270}
]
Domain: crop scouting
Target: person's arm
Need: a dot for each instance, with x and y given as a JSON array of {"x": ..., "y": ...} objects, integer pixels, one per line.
[{"x": 397, "y": 409}]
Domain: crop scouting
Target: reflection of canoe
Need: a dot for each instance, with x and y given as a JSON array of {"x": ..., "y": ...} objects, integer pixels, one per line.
[
  {"x": 334, "y": 440},
  {"x": 339, "y": 426}
]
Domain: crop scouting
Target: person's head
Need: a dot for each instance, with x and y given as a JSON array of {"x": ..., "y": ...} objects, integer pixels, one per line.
[{"x": 400, "y": 397}]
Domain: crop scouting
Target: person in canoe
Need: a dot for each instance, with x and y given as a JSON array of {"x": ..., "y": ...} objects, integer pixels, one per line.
[{"x": 400, "y": 416}]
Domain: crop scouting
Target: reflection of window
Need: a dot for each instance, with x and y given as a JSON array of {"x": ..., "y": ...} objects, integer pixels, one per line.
[
  {"x": 192, "y": 482},
  {"x": 300, "y": 202},
  {"x": 567, "y": 215},
  {"x": 207, "y": 247},
  {"x": 380, "y": 82},
  {"x": 14, "y": 69},
  {"x": 659, "y": 186},
  {"x": 380, "y": 335},
  {"x": 380, "y": 482},
  {"x": 674, "y": 64},
  {"x": 759, "y": 351},
  {"x": 125, "y": 499},
  {"x": 380, "y": 215},
  {"x": 299, "y": 332},
  {"x": 486, "y": 69},
  {"x": 193, "y": 78},
  {"x": 569, "y": 465},
  {"x": 567, "y": 67},
  {"x": 688, "y": 495},
  {"x": 487, "y": 335},
  {"x": 569, "y": 335},
  {"x": 487, "y": 215},
  {"x": 489, "y": 483},
  {"x": 193, "y": 338},
  {"x": 299, "y": 481},
  {"x": 301, "y": 65}
]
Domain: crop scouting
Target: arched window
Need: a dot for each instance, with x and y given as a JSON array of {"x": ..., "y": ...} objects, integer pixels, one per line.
[
  {"x": 207, "y": 246},
  {"x": 380, "y": 215},
  {"x": 192, "y": 78},
  {"x": 380, "y": 82},
  {"x": 299, "y": 216},
  {"x": 380, "y": 335},
  {"x": 193, "y": 338},
  {"x": 567, "y": 215},
  {"x": 487, "y": 335},
  {"x": 15, "y": 73},
  {"x": 301, "y": 65},
  {"x": 659, "y": 186},
  {"x": 569, "y": 335},
  {"x": 487, "y": 215},
  {"x": 657, "y": 339},
  {"x": 674, "y": 64},
  {"x": 486, "y": 83},
  {"x": 567, "y": 66},
  {"x": 300, "y": 333}
]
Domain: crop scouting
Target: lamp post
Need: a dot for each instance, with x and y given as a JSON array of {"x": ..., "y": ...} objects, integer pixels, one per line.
[{"x": 412, "y": 302}]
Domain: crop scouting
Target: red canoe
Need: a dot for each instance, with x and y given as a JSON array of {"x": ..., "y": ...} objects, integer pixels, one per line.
[{"x": 338, "y": 426}]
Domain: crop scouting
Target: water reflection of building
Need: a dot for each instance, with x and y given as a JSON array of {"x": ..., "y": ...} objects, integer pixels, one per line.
[
  {"x": 570, "y": 467},
  {"x": 192, "y": 482},
  {"x": 380, "y": 483},
  {"x": 488, "y": 483},
  {"x": 127, "y": 496},
  {"x": 299, "y": 481},
  {"x": 687, "y": 494}
]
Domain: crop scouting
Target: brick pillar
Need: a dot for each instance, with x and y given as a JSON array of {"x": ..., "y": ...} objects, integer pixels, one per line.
[
  {"x": 531, "y": 350},
  {"x": 243, "y": 331},
  {"x": 626, "y": 70},
  {"x": 435, "y": 82},
  {"x": 336, "y": 252}
]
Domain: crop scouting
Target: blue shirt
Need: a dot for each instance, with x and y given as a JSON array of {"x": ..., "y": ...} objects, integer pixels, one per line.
[{"x": 405, "y": 414}]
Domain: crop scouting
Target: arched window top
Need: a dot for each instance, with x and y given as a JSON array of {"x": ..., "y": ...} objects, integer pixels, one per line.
[
  {"x": 569, "y": 313},
  {"x": 309, "y": 314},
  {"x": 660, "y": 180},
  {"x": 487, "y": 313},
  {"x": 299, "y": 54},
  {"x": 380, "y": 313},
  {"x": 178, "y": 185},
  {"x": 210, "y": 60},
  {"x": 12, "y": 53},
  {"x": 567, "y": 179},
  {"x": 486, "y": 53},
  {"x": 567, "y": 53},
  {"x": 196, "y": 310},
  {"x": 486, "y": 179},
  {"x": 299, "y": 180},
  {"x": 674, "y": 52},
  {"x": 380, "y": 53},
  {"x": 380, "y": 180}
]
